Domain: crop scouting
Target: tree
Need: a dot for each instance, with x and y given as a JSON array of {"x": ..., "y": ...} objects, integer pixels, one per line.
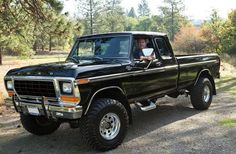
[
  {"x": 132, "y": 13},
  {"x": 171, "y": 12},
  {"x": 145, "y": 24},
  {"x": 90, "y": 11},
  {"x": 158, "y": 24},
  {"x": 232, "y": 17},
  {"x": 18, "y": 19},
  {"x": 212, "y": 30},
  {"x": 130, "y": 23},
  {"x": 112, "y": 17},
  {"x": 230, "y": 31},
  {"x": 48, "y": 33},
  {"x": 143, "y": 8}
]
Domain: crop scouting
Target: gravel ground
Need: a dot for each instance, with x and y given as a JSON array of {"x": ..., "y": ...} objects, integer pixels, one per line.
[{"x": 173, "y": 127}]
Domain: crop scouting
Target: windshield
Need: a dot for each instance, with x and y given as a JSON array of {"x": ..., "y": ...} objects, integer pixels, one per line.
[{"x": 100, "y": 48}]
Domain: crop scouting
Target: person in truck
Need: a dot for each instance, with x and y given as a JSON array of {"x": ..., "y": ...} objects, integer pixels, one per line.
[{"x": 138, "y": 54}]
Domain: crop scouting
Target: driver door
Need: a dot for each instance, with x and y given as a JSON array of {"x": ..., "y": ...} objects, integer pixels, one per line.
[{"x": 152, "y": 78}]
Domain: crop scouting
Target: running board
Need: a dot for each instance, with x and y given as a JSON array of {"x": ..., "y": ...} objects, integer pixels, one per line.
[{"x": 147, "y": 108}]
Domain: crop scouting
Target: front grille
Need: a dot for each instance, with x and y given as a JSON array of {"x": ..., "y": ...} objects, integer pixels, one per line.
[{"x": 35, "y": 88}]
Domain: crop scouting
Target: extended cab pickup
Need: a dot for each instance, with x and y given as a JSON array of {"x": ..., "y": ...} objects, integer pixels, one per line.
[{"x": 94, "y": 87}]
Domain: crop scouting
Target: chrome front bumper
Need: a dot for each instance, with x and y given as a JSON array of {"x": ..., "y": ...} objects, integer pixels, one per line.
[
  {"x": 48, "y": 110},
  {"x": 45, "y": 106}
]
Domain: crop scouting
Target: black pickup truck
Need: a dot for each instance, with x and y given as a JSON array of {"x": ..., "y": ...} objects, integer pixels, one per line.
[{"x": 94, "y": 87}]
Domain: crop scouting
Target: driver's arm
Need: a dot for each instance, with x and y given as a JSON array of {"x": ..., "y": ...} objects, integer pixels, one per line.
[{"x": 151, "y": 57}]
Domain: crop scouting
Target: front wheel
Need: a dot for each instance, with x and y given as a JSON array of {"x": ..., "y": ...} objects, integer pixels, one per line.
[
  {"x": 38, "y": 125},
  {"x": 105, "y": 125},
  {"x": 201, "y": 94}
]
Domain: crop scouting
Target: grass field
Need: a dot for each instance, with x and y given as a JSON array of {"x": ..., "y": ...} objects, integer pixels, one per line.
[{"x": 227, "y": 84}]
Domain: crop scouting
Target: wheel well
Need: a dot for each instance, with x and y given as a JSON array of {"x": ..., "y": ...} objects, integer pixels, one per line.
[
  {"x": 116, "y": 94},
  {"x": 207, "y": 74}
]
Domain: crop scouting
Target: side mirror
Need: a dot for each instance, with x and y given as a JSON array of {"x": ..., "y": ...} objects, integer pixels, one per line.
[{"x": 147, "y": 51}]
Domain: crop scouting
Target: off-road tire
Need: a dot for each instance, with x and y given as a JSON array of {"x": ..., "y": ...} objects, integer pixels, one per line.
[
  {"x": 197, "y": 94},
  {"x": 90, "y": 124},
  {"x": 38, "y": 125}
]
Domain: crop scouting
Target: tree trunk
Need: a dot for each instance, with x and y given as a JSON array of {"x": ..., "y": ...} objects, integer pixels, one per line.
[
  {"x": 91, "y": 16},
  {"x": 50, "y": 43},
  {"x": 172, "y": 23},
  {"x": 42, "y": 48},
  {"x": 0, "y": 56},
  {"x": 35, "y": 46}
]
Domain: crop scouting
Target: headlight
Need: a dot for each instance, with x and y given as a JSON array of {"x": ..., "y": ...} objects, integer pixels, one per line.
[
  {"x": 67, "y": 88},
  {"x": 9, "y": 85}
]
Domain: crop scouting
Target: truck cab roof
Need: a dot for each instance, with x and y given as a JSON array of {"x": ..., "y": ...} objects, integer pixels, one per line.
[{"x": 125, "y": 33}]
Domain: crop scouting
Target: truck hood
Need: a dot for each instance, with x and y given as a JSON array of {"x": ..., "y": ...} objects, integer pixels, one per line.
[{"x": 67, "y": 69}]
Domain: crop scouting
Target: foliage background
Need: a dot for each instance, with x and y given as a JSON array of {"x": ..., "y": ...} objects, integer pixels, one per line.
[{"x": 31, "y": 27}]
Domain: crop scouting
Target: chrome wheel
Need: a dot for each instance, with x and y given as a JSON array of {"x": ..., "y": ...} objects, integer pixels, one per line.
[
  {"x": 206, "y": 93},
  {"x": 109, "y": 126}
]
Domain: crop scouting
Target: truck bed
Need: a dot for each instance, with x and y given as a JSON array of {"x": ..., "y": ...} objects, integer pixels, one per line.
[{"x": 191, "y": 65}]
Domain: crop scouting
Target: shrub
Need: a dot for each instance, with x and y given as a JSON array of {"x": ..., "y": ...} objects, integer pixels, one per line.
[
  {"x": 188, "y": 40},
  {"x": 232, "y": 50},
  {"x": 14, "y": 45}
]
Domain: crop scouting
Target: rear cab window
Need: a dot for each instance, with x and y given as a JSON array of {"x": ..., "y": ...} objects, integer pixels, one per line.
[{"x": 164, "y": 50}]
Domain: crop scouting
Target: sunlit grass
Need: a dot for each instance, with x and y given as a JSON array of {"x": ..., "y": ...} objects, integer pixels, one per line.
[
  {"x": 227, "y": 84},
  {"x": 43, "y": 57},
  {"x": 228, "y": 122}
]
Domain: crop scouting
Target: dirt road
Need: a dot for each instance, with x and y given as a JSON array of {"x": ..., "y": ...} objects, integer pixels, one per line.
[{"x": 173, "y": 127}]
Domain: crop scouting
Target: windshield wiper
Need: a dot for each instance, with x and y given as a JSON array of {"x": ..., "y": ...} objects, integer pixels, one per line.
[
  {"x": 96, "y": 58},
  {"x": 74, "y": 59}
]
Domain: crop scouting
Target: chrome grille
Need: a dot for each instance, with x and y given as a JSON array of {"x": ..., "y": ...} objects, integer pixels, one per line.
[{"x": 35, "y": 88}]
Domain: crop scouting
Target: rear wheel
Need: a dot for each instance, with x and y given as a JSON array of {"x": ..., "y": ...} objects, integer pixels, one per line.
[
  {"x": 38, "y": 125},
  {"x": 201, "y": 94},
  {"x": 105, "y": 125}
]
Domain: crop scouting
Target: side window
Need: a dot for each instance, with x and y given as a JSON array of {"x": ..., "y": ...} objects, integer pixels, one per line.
[
  {"x": 163, "y": 49},
  {"x": 137, "y": 47}
]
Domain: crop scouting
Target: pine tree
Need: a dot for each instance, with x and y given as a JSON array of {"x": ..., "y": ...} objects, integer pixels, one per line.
[
  {"x": 143, "y": 8},
  {"x": 112, "y": 16},
  {"x": 90, "y": 10},
  {"x": 172, "y": 15},
  {"x": 132, "y": 13}
]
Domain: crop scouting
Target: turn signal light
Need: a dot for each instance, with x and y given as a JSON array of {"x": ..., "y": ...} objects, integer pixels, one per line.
[
  {"x": 82, "y": 81},
  {"x": 70, "y": 99},
  {"x": 10, "y": 93}
]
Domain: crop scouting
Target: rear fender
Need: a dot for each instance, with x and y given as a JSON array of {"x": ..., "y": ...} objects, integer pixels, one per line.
[{"x": 207, "y": 74}]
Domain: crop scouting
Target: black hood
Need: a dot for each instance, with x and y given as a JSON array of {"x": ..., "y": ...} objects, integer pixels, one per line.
[{"x": 66, "y": 69}]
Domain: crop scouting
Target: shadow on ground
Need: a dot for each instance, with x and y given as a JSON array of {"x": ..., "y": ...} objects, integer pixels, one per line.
[
  {"x": 66, "y": 140},
  {"x": 226, "y": 84}
]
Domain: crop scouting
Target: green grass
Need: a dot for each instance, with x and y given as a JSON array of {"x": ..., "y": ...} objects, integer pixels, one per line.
[
  {"x": 227, "y": 84},
  {"x": 228, "y": 122}
]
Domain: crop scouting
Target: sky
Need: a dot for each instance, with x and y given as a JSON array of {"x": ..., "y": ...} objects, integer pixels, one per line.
[{"x": 194, "y": 9}]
